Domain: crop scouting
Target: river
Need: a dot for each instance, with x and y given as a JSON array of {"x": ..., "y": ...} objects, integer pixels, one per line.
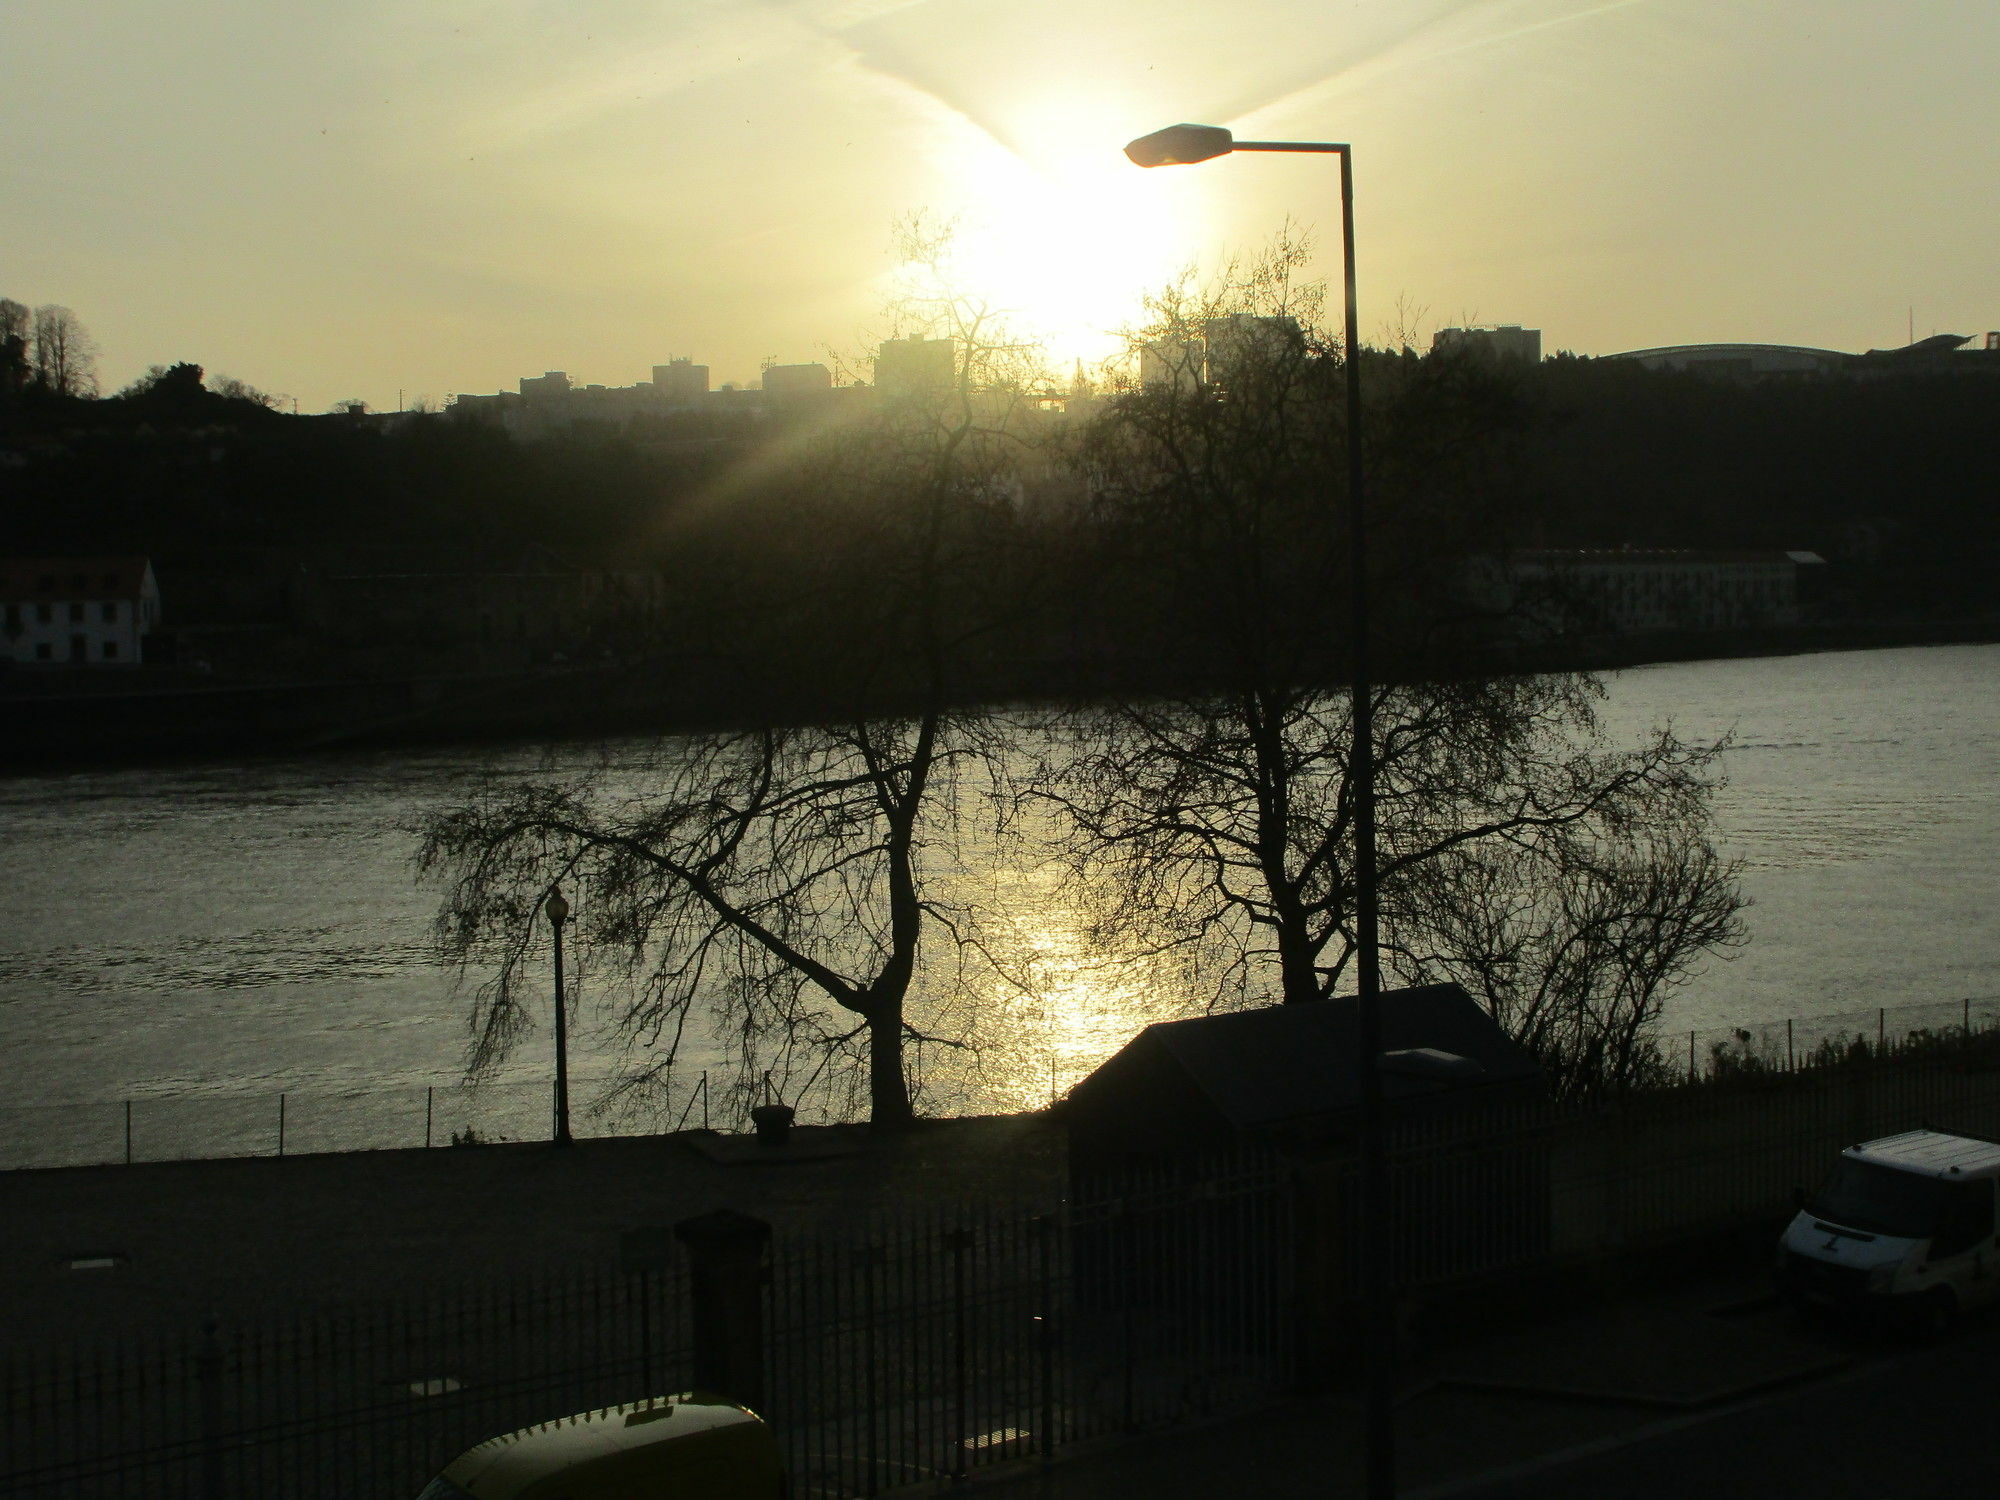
[{"x": 246, "y": 929}]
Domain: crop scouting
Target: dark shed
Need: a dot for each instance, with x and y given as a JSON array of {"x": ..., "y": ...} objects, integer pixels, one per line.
[{"x": 1285, "y": 1074}]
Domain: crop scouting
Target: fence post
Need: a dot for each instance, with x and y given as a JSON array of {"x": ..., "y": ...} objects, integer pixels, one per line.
[
  {"x": 429, "y": 1104},
  {"x": 1881, "y": 1030},
  {"x": 281, "y": 1125},
  {"x": 128, "y": 1132},
  {"x": 958, "y": 1241},
  {"x": 1691, "y": 1071},
  {"x": 1966, "y": 1025},
  {"x": 725, "y": 1287},
  {"x": 1045, "y": 1329},
  {"x": 1790, "y": 1063},
  {"x": 208, "y": 1385},
  {"x": 704, "y": 1098}
]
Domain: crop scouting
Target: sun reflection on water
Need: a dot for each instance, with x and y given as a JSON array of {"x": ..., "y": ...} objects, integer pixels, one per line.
[{"x": 1055, "y": 1006}]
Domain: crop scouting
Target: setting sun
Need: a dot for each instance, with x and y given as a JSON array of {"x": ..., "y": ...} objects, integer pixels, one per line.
[{"x": 1064, "y": 236}]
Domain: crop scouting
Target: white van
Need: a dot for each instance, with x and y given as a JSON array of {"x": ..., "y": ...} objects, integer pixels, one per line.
[{"x": 1904, "y": 1225}]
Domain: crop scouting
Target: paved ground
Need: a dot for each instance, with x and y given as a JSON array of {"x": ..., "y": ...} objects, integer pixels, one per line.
[
  {"x": 194, "y": 1238},
  {"x": 1707, "y": 1390},
  {"x": 1710, "y": 1391}
]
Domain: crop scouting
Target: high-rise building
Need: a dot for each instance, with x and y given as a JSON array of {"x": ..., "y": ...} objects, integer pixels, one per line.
[
  {"x": 1502, "y": 340},
  {"x": 1171, "y": 362},
  {"x": 915, "y": 367},
  {"x": 785, "y": 381},
  {"x": 682, "y": 382}
]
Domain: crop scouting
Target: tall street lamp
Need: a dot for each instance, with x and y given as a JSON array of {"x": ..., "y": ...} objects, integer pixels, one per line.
[
  {"x": 1183, "y": 145},
  {"x": 557, "y": 911}
]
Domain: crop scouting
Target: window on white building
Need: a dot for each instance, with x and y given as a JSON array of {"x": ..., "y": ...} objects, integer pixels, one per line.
[
  {"x": 108, "y": 612},
  {"x": 110, "y": 652}
]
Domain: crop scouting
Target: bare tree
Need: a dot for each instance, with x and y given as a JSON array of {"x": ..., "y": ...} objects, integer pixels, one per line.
[
  {"x": 63, "y": 353},
  {"x": 783, "y": 880},
  {"x": 16, "y": 326},
  {"x": 1222, "y": 817}
]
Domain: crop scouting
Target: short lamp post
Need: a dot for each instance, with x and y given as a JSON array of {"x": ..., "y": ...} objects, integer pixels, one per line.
[
  {"x": 1182, "y": 145},
  {"x": 556, "y": 909}
]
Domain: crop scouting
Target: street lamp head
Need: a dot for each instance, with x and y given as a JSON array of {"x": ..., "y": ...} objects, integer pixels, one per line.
[
  {"x": 1181, "y": 145},
  {"x": 556, "y": 907}
]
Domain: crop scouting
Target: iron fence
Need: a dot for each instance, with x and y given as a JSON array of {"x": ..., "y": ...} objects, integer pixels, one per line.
[
  {"x": 939, "y": 1342},
  {"x": 187, "y": 1127},
  {"x": 935, "y": 1345},
  {"x": 340, "y": 1403}
]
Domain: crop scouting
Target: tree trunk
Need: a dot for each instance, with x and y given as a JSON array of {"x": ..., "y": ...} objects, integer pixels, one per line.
[{"x": 888, "y": 1092}]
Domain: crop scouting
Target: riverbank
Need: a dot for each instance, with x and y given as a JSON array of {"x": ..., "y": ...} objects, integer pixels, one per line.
[{"x": 149, "y": 717}]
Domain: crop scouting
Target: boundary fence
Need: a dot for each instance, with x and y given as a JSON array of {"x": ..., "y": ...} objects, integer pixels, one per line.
[
  {"x": 195, "y": 1127},
  {"x": 940, "y": 1342}
]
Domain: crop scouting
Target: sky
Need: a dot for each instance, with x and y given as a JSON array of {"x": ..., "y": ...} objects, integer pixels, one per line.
[{"x": 394, "y": 199}]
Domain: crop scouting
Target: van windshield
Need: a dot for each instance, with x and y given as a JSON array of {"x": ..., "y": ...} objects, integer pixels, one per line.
[{"x": 1880, "y": 1200}]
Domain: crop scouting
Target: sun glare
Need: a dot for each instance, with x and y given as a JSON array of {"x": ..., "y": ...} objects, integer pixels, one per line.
[{"x": 1063, "y": 234}]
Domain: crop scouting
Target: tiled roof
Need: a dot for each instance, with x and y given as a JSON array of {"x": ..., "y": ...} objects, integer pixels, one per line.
[{"x": 33, "y": 579}]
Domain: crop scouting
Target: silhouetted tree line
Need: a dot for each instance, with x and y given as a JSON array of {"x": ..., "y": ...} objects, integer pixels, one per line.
[{"x": 1889, "y": 477}]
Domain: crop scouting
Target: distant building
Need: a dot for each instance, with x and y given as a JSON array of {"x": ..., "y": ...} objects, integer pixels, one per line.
[
  {"x": 77, "y": 611},
  {"x": 1628, "y": 590},
  {"x": 1940, "y": 354},
  {"x": 681, "y": 382},
  {"x": 548, "y": 383},
  {"x": 1738, "y": 360},
  {"x": 1175, "y": 363},
  {"x": 1501, "y": 340},
  {"x": 915, "y": 367},
  {"x": 783, "y": 382},
  {"x": 1240, "y": 338}
]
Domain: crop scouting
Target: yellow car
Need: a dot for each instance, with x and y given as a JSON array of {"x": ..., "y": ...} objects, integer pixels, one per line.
[{"x": 685, "y": 1447}]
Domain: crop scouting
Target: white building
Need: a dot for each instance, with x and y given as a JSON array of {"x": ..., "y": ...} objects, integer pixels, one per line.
[
  {"x": 1634, "y": 589},
  {"x": 77, "y": 611}
]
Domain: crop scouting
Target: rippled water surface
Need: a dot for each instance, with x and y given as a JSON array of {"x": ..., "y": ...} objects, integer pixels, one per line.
[{"x": 247, "y": 928}]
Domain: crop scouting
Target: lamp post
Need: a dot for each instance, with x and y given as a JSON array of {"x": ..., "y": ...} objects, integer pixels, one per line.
[
  {"x": 1183, "y": 145},
  {"x": 557, "y": 911}
]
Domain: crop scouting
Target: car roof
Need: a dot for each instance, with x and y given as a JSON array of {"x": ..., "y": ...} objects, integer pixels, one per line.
[
  {"x": 1931, "y": 1153},
  {"x": 503, "y": 1465}
]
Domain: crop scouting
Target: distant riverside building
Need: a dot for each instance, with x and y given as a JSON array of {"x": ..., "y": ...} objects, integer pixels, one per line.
[
  {"x": 77, "y": 611},
  {"x": 1738, "y": 359},
  {"x": 1503, "y": 340},
  {"x": 915, "y": 367},
  {"x": 1621, "y": 590},
  {"x": 1940, "y": 354}
]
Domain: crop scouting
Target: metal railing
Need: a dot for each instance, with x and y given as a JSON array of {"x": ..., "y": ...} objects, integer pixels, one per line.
[
  {"x": 937, "y": 1342},
  {"x": 194, "y": 1127},
  {"x": 940, "y": 1343}
]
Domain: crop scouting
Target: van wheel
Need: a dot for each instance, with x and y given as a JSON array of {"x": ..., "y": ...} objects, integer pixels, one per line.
[{"x": 1935, "y": 1313}]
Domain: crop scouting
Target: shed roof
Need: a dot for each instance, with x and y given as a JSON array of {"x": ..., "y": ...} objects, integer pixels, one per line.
[
  {"x": 1285, "y": 1062},
  {"x": 30, "y": 579}
]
